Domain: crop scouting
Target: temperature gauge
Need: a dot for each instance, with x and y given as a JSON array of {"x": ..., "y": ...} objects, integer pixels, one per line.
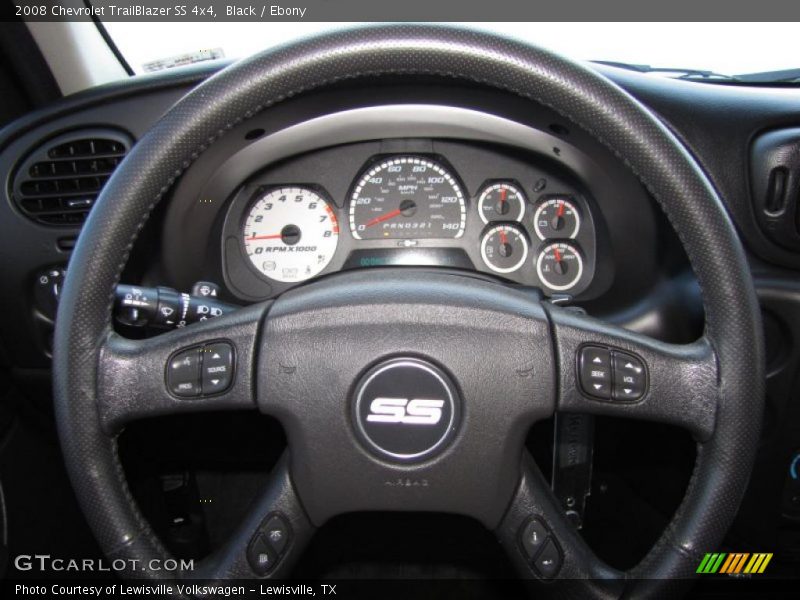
[
  {"x": 560, "y": 266},
  {"x": 557, "y": 218},
  {"x": 504, "y": 248},
  {"x": 501, "y": 202}
]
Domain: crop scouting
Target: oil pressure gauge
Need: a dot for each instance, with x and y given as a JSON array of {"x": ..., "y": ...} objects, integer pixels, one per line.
[
  {"x": 559, "y": 266},
  {"x": 557, "y": 217},
  {"x": 504, "y": 248}
]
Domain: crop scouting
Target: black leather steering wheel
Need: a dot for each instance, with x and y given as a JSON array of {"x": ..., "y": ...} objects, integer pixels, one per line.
[{"x": 301, "y": 357}]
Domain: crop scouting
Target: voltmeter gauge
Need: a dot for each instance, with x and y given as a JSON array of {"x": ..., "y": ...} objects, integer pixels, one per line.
[
  {"x": 559, "y": 266},
  {"x": 501, "y": 201},
  {"x": 557, "y": 217},
  {"x": 504, "y": 248}
]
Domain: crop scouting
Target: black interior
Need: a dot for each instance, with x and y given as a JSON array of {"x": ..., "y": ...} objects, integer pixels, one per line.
[{"x": 194, "y": 476}]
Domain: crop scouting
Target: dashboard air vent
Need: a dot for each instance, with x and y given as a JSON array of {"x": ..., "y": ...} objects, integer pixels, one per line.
[{"x": 59, "y": 181}]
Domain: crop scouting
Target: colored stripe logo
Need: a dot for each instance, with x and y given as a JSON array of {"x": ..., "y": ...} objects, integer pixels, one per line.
[{"x": 734, "y": 563}]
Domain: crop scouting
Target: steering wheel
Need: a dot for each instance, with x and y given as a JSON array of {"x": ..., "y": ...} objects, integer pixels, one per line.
[{"x": 384, "y": 380}]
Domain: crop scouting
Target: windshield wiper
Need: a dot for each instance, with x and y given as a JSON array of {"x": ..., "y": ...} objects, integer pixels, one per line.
[
  {"x": 680, "y": 72},
  {"x": 783, "y": 76}
]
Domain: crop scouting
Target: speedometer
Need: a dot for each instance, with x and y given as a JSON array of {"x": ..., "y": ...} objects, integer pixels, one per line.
[
  {"x": 290, "y": 234},
  {"x": 407, "y": 197}
]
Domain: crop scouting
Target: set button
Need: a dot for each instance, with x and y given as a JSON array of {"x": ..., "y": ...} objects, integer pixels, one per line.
[
  {"x": 611, "y": 374},
  {"x": 200, "y": 370}
]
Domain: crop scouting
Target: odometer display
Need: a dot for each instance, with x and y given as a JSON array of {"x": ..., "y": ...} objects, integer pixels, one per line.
[{"x": 407, "y": 197}]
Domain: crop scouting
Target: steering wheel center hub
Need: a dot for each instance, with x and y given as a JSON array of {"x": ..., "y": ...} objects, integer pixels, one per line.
[{"x": 406, "y": 409}]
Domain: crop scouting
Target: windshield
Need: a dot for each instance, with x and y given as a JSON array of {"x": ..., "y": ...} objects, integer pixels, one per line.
[{"x": 702, "y": 51}]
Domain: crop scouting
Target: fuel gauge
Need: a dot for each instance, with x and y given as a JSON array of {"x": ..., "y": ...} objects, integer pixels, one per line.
[
  {"x": 559, "y": 266},
  {"x": 504, "y": 248}
]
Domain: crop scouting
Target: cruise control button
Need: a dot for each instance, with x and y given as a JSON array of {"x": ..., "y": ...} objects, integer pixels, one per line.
[
  {"x": 276, "y": 533},
  {"x": 260, "y": 555},
  {"x": 217, "y": 368},
  {"x": 630, "y": 377},
  {"x": 183, "y": 373},
  {"x": 594, "y": 366},
  {"x": 549, "y": 560},
  {"x": 533, "y": 537}
]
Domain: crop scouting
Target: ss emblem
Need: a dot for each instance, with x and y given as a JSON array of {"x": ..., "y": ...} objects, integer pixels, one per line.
[{"x": 416, "y": 411}]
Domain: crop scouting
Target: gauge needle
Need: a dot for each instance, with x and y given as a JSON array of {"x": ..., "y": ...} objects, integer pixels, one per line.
[
  {"x": 265, "y": 237},
  {"x": 560, "y": 212},
  {"x": 503, "y": 237},
  {"x": 558, "y": 255},
  {"x": 382, "y": 218},
  {"x": 503, "y": 194}
]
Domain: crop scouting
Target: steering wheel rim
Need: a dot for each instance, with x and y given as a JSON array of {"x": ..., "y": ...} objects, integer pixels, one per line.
[{"x": 726, "y": 365}]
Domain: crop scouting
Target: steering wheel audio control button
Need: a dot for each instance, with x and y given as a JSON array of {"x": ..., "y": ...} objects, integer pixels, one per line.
[
  {"x": 201, "y": 370},
  {"x": 630, "y": 376},
  {"x": 607, "y": 373},
  {"x": 183, "y": 373},
  {"x": 594, "y": 370},
  {"x": 217, "y": 368}
]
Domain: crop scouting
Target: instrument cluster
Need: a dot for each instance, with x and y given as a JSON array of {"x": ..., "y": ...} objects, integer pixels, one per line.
[{"x": 520, "y": 223}]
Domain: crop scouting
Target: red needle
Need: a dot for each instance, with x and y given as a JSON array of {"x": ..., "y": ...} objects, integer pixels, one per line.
[
  {"x": 558, "y": 255},
  {"x": 265, "y": 237},
  {"x": 503, "y": 193},
  {"x": 503, "y": 237},
  {"x": 560, "y": 212},
  {"x": 382, "y": 218}
]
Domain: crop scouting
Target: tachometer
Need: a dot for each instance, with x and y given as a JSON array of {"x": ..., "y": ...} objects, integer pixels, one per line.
[
  {"x": 290, "y": 234},
  {"x": 407, "y": 197}
]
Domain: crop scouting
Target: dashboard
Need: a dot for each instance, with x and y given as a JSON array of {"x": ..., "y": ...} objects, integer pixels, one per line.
[{"x": 440, "y": 203}]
